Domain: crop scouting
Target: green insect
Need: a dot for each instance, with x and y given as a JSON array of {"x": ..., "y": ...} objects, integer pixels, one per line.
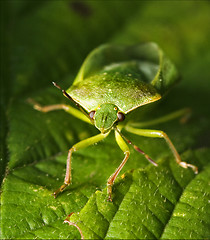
[{"x": 112, "y": 82}]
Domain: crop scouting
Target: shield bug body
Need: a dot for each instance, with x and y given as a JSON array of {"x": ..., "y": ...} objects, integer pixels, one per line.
[{"x": 112, "y": 82}]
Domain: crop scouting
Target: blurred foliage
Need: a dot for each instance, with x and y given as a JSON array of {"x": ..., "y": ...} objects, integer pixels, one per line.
[{"x": 45, "y": 41}]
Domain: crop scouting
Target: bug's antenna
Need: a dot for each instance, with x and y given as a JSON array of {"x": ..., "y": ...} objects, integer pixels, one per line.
[
  {"x": 64, "y": 92},
  {"x": 136, "y": 148},
  {"x": 69, "y": 97}
]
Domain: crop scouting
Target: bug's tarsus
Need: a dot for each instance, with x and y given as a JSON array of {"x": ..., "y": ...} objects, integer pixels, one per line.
[{"x": 59, "y": 190}]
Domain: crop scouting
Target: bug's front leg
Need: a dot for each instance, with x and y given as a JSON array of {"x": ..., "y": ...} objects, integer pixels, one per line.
[
  {"x": 67, "y": 179},
  {"x": 161, "y": 134},
  {"x": 124, "y": 147},
  {"x": 82, "y": 144}
]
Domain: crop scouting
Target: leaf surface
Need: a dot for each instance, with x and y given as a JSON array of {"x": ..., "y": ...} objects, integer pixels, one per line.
[
  {"x": 149, "y": 202},
  {"x": 48, "y": 42}
]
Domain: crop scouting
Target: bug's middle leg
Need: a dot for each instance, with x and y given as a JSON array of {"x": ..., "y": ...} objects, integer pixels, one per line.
[
  {"x": 161, "y": 134},
  {"x": 124, "y": 147},
  {"x": 67, "y": 108},
  {"x": 82, "y": 144}
]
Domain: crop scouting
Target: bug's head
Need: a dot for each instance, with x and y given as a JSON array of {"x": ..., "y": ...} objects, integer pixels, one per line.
[{"x": 105, "y": 116}]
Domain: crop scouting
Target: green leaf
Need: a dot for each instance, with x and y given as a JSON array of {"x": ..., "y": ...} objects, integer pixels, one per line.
[
  {"x": 190, "y": 218},
  {"x": 150, "y": 204},
  {"x": 48, "y": 41}
]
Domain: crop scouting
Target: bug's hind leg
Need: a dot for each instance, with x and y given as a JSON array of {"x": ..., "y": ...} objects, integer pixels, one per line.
[
  {"x": 184, "y": 114},
  {"x": 161, "y": 134}
]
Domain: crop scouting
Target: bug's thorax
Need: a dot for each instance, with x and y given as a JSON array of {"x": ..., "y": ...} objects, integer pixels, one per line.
[{"x": 105, "y": 116}]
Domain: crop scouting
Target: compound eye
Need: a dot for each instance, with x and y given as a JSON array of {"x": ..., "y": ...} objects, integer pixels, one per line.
[
  {"x": 120, "y": 116},
  {"x": 92, "y": 114}
]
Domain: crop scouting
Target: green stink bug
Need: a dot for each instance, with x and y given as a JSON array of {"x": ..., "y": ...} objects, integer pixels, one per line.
[{"x": 112, "y": 82}]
